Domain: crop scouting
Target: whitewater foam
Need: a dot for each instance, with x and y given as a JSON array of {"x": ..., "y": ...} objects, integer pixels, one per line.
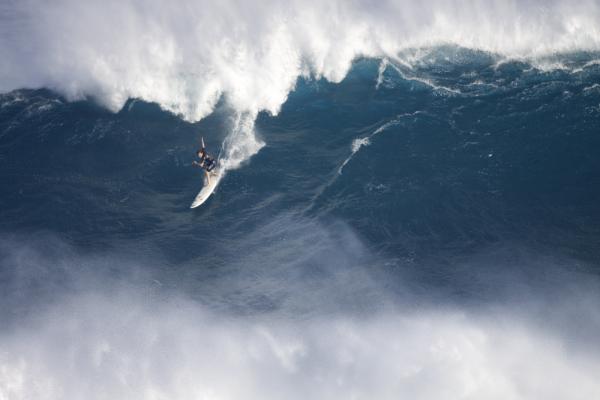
[
  {"x": 427, "y": 82},
  {"x": 241, "y": 143},
  {"x": 360, "y": 142}
]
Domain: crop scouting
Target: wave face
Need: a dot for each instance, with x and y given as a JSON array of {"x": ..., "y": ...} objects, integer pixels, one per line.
[
  {"x": 421, "y": 220},
  {"x": 407, "y": 232}
]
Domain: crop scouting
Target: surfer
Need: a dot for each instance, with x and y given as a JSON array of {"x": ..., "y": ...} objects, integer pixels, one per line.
[{"x": 206, "y": 162}]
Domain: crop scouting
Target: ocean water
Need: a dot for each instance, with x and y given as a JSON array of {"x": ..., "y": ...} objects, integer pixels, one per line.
[{"x": 401, "y": 216}]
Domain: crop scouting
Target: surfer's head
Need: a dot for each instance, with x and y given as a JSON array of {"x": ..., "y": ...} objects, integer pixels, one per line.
[{"x": 201, "y": 153}]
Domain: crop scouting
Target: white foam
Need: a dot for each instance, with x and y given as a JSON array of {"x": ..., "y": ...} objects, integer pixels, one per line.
[
  {"x": 241, "y": 143},
  {"x": 588, "y": 64},
  {"x": 423, "y": 80},
  {"x": 380, "y": 70},
  {"x": 186, "y": 55},
  {"x": 127, "y": 346},
  {"x": 360, "y": 142},
  {"x": 595, "y": 86},
  {"x": 356, "y": 145}
]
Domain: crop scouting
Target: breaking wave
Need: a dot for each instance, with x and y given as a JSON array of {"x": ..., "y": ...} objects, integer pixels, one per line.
[{"x": 186, "y": 55}]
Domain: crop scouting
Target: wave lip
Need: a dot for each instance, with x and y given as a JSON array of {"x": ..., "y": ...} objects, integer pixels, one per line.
[{"x": 186, "y": 56}]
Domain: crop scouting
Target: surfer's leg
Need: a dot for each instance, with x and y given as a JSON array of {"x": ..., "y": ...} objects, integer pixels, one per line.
[{"x": 207, "y": 177}]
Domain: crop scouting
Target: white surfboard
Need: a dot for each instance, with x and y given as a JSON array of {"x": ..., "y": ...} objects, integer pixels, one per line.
[{"x": 208, "y": 189}]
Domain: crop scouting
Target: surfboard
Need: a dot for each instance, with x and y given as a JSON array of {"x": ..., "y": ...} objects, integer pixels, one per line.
[{"x": 215, "y": 176}]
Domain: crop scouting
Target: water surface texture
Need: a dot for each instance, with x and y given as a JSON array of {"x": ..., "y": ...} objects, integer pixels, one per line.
[{"x": 410, "y": 207}]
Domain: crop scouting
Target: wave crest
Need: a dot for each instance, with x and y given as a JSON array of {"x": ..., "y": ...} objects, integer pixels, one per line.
[{"x": 185, "y": 56}]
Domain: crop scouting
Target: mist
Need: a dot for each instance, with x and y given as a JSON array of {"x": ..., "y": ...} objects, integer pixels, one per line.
[
  {"x": 104, "y": 325},
  {"x": 130, "y": 347}
]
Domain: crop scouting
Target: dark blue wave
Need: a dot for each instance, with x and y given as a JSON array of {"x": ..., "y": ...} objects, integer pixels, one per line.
[{"x": 463, "y": 155}]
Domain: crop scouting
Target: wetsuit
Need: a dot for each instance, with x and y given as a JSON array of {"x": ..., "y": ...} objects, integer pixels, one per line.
[{"x": 208, "y": 163}]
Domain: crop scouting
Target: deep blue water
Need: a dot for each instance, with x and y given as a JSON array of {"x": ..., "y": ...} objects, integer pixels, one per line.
[
  {"x": 483, "y": 172},
  {"x": 419, "y": 232}
]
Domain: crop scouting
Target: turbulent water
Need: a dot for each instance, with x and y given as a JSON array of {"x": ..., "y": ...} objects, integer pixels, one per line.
[{"x": 409, "y": 210}]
